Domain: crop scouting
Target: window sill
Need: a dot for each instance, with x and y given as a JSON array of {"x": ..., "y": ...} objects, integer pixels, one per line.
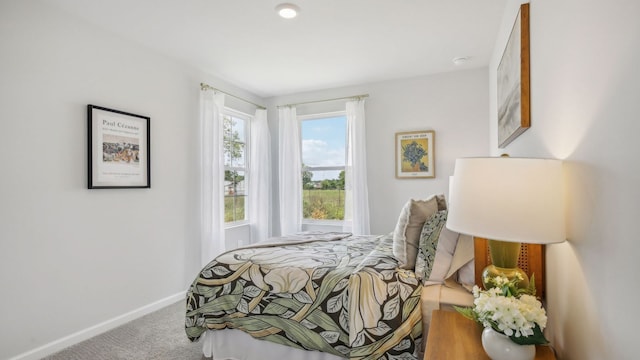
[
  {"x": 236, "y": 224},
  {"x": 323, "y": 222}
]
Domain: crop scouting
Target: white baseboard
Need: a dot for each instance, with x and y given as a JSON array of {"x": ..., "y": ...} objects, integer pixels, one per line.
[{"x": 57, "y": 345}]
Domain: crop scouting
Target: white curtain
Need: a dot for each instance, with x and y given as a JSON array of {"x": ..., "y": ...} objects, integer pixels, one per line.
[
  {"x": 260, "y": 178},
  {"x": 356, "y": 212},
  {"x": 212, "y": 171},
  {"x": 290, "y": 171}
]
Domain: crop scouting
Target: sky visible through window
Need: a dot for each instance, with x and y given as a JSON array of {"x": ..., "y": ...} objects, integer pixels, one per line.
[
  {"x": 237, "y": 128},
  {"x": 323, "y": 144}
]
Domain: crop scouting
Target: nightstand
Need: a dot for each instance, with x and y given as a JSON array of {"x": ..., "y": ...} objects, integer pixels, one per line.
[{"x": 454, "y": 337}]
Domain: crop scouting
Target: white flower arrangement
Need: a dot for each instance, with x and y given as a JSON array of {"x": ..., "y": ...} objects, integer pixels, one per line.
[{"x": 509, "y": 310}]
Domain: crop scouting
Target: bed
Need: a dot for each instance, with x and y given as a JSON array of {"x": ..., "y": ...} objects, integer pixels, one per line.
[
  {"x": 336, "y": 293},
  {"x": 331, "y": 296}
]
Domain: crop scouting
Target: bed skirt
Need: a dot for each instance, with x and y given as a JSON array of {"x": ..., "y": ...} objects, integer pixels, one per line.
[{"x": 231, "y": 344}]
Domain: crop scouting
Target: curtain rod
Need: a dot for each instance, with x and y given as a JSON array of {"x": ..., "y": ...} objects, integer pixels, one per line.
[
  {"x": 204, "y": 86},
  {"x": 355, "y": 97}
]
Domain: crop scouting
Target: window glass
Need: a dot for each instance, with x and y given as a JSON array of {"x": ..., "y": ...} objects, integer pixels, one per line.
[
  {"x": 324, "y": 158},
  {"x": 235, "y": 157}
]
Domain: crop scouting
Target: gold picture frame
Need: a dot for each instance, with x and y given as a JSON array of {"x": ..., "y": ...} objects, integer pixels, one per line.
[
  {"x": 514, "y": 115},
  {"x": 415, "y": 157}
]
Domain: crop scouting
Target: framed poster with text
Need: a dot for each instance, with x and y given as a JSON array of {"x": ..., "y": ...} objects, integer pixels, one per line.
[{"x": 118, "y": 144}]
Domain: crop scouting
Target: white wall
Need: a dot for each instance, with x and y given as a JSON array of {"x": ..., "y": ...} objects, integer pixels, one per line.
[
  {"x": 455, "y": 105},
  {"x": 72, "y": 258},
  {"x": 585, "y": 85}
]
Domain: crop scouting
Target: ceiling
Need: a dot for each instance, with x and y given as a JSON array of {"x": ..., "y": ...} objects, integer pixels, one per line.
[{"x": 332, "y": 43}]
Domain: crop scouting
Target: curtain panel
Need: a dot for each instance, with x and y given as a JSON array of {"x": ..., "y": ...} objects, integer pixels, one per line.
[
  {"x": 212, "y": 176},
  {"x": 356, "y": 212},
  {"x": 290, "y": 171},
  {"x": 260, "y": 178}
]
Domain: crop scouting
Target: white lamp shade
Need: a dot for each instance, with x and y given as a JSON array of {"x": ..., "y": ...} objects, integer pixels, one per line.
[{"x": 508, "y": 199}]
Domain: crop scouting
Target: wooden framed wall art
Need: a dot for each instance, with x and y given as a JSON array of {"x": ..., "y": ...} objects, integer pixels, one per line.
[
  {"x": 118, "y": 145},
  {"x": 415, "y": 158},
  {"x": 513, "y": 82}
]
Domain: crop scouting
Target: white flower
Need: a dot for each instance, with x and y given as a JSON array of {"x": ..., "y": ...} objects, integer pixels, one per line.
[{"x": 513, "y": 316}]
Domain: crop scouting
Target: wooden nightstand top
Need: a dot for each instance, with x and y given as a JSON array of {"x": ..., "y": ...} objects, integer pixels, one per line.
[{"x": 454, "y": 337}]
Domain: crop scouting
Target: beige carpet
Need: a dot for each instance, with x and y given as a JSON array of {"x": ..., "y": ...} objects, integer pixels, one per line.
[{"x": 157, "y": 336}]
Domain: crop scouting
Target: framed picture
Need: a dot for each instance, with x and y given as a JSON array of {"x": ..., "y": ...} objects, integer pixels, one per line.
[
  {"x": 118, "y": 149},
  {"x": 414, "y": 155},
  {"x": 513, "y": 82}
]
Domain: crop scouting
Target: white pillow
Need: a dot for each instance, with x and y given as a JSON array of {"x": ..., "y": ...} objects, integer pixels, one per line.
[
  {"x": 467, "y": 273},
  {"x": 406, "y": 235},
  {"x": 444, "y": 254}
]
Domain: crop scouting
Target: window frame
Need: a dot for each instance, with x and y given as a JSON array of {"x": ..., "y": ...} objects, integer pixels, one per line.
[
  {"x": 247, "y": 176},
  {"x": 318, "y": 116}
]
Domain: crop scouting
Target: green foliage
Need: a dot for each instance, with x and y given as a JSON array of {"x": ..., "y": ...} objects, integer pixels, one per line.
[
  {"x": 511, "y": 288},
  {"x": 536, "y": 339},
  {"x": 234, "y": 208},
  {"x": 233, "y": 147},
  {"x": 467, "y": 312},
  {"x": 233, "y": 177},
  {"x": 323, "y": 204},
  {"x": 306, "y": 178},
  {"x": 530, "y": 290}
]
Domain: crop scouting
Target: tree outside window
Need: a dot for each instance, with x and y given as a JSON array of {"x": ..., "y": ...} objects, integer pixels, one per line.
[{"x": 235, "y": 150}]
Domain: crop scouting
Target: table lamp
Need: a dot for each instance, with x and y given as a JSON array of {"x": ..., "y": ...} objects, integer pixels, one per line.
[{"x": 507, "y": 201}]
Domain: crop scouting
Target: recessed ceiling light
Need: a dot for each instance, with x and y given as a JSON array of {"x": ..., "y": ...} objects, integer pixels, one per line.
[
  {"x": 287, "y": 11},
  {"x": 460, "y": 60}
]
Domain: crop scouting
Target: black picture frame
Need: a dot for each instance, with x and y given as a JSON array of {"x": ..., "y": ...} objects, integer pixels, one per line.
[{"x": 118, "y": 149}]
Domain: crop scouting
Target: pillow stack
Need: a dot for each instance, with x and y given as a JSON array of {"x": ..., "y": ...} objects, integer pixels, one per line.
[
  {"x": 406, "y": 235},
  {"x": 422, "y": 243}
]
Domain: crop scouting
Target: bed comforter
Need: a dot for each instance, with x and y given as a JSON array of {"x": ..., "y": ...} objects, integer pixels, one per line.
[{"x": 345, "y": 296}]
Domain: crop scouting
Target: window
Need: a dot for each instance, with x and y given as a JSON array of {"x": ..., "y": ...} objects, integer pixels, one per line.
[
  {"x": 235, "y": 162},
  {"x": 324, "y": 159}
]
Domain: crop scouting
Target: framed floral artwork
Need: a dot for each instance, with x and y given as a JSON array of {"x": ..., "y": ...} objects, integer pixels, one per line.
[{"x": 415, "y": 158}]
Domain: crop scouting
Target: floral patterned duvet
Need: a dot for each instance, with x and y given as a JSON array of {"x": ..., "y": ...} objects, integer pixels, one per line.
[{"x": 341, "y": 295}]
